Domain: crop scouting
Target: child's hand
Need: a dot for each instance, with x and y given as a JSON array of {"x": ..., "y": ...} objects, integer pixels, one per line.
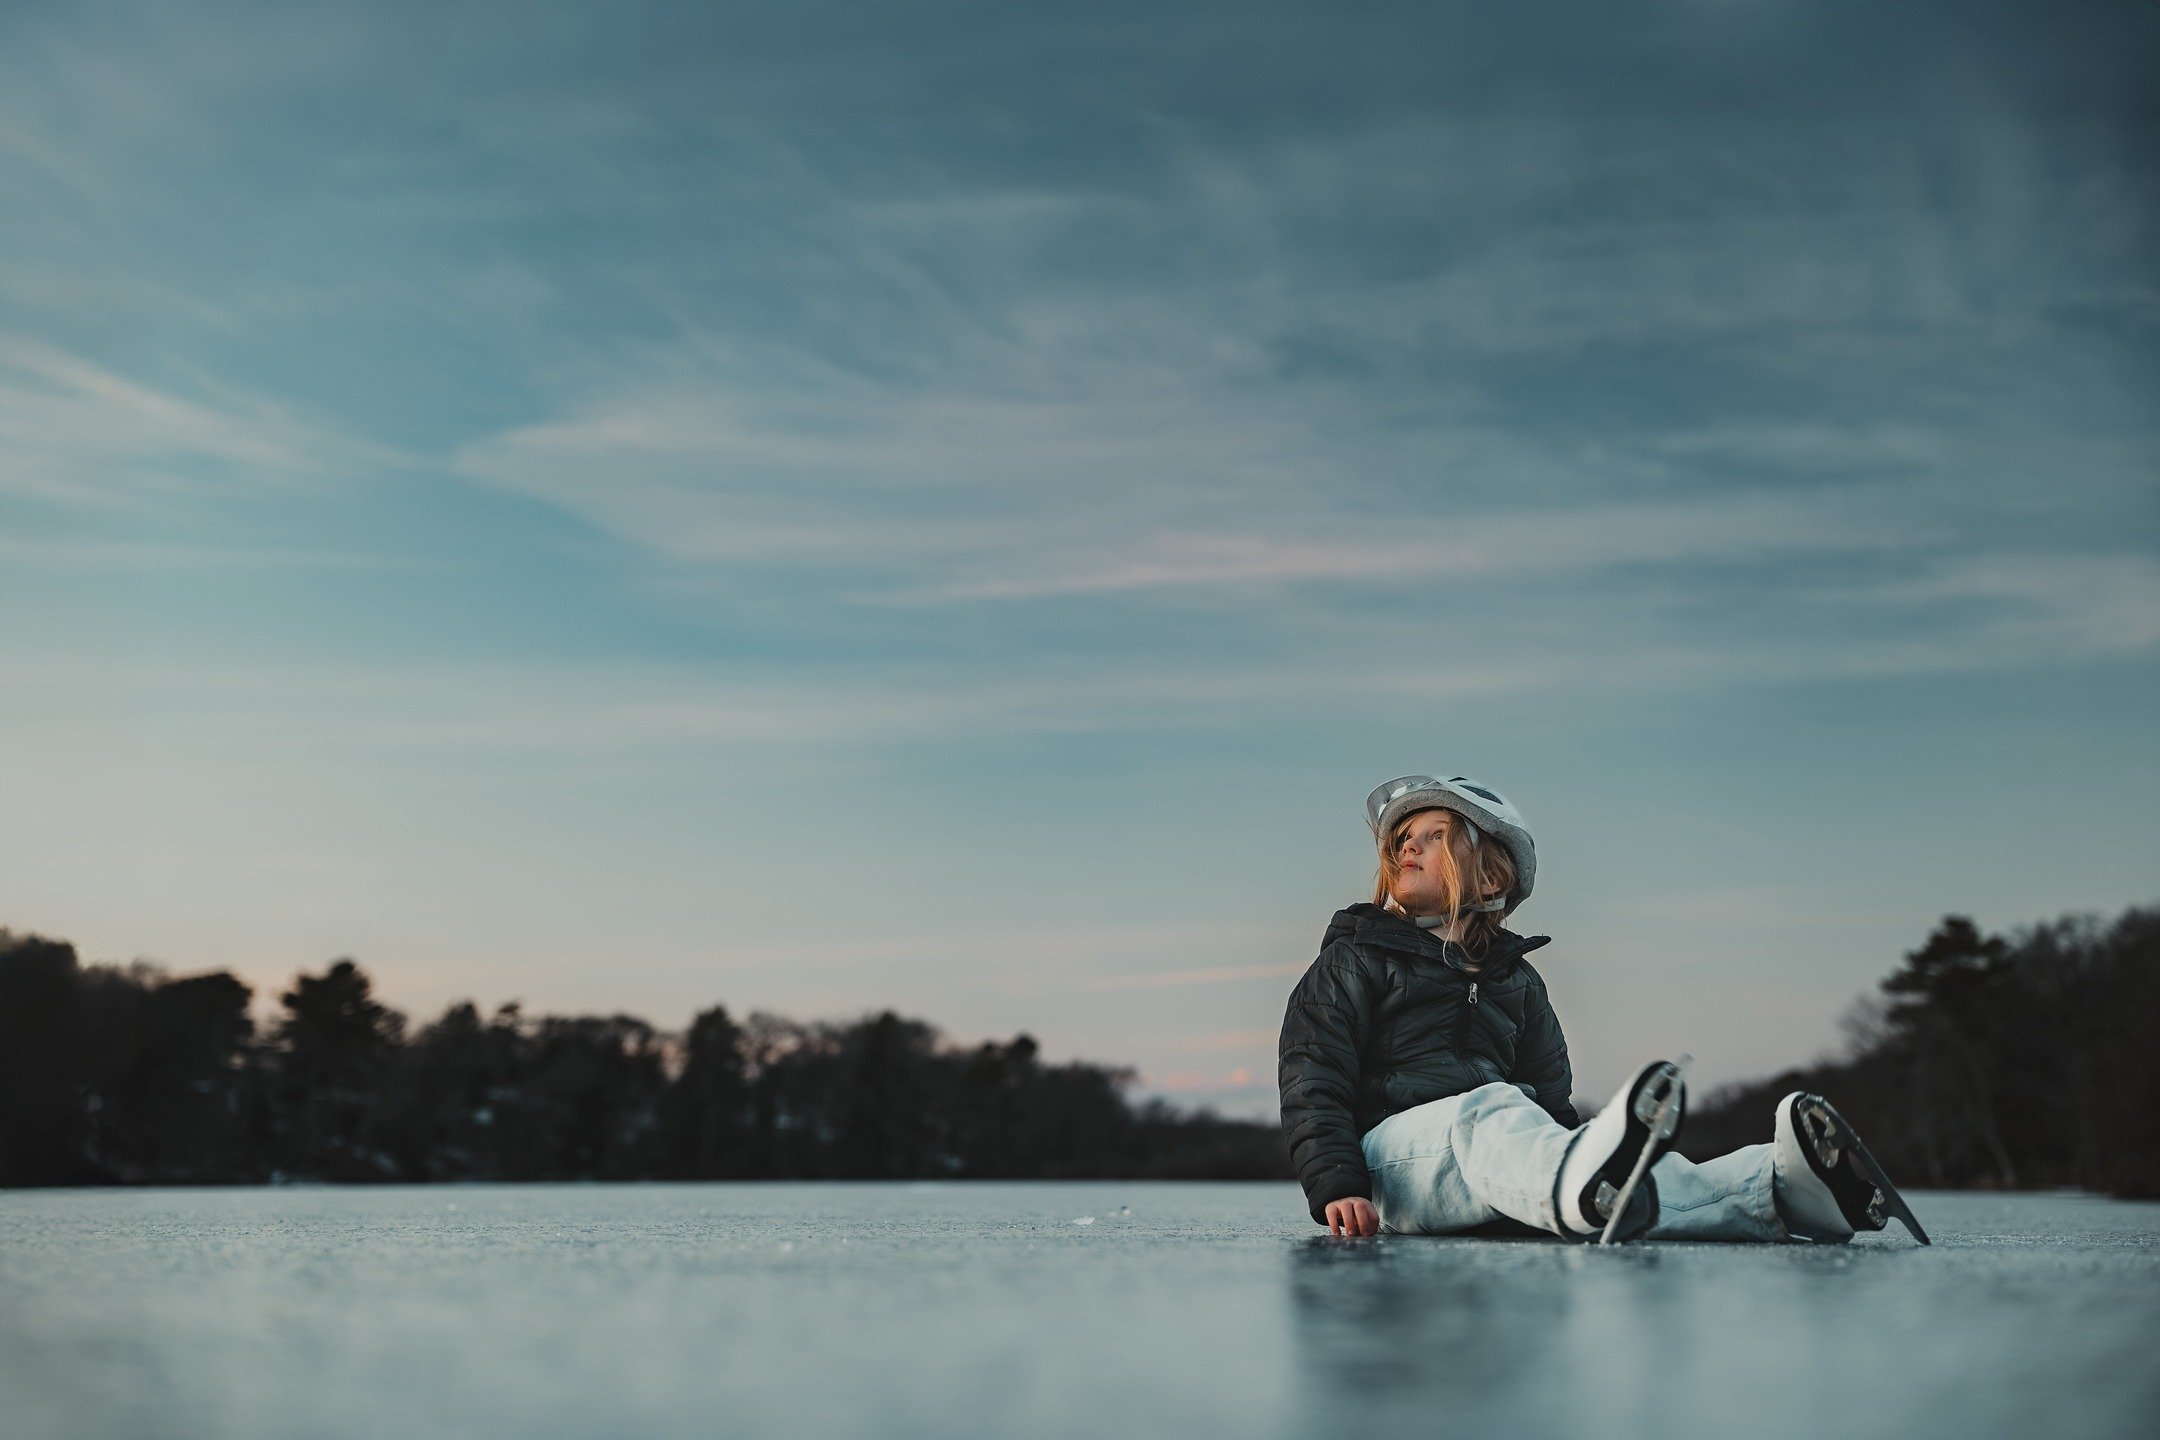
[{"x": 1352, "y": 1217}]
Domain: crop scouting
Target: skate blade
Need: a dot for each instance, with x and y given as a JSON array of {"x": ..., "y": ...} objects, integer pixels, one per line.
[
  {"x": 1889, "y": 1205},
  {"x": 1839, "y": 1136},
  {"x": 1658, "y": 1108},
  {"x": 1661, "y": 1102}
]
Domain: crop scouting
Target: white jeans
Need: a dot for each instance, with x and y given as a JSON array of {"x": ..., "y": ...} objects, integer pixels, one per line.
[{"x": 1470, "y": 1159}]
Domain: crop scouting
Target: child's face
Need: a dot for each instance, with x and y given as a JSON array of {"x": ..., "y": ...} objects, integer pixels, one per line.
[{"x": 1419, "y": 886}]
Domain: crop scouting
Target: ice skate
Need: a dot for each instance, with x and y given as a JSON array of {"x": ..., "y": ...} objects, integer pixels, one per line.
[
  {"x": 1832, "y": 1185},
  {"x": 1605, "y": 1190}
]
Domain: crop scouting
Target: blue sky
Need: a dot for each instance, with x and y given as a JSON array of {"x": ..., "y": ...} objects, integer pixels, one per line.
[{"x": 952, "y": 506}]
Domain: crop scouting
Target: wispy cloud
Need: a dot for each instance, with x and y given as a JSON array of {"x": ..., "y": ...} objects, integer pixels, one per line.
[
  {"x": 1262, "y": 1040},
  {"x": 1207, "y": 975},
  {"x": 81, "y": 433},
  {"x": 1064, "y": 955},
  {"x": 1239, "y": 1083},
  {"x": 150, "y": 557},
  {"x": 1474, "y": 548}
]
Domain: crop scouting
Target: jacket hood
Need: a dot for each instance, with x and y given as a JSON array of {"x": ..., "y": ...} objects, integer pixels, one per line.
[{"x": 1369, "y": 924}]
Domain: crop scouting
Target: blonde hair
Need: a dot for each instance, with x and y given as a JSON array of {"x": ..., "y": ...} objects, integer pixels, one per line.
[{"x": 1470, "y": 870}]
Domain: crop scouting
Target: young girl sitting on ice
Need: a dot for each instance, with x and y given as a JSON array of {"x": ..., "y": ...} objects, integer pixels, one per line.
[{"x": 1425, "y": 1081}]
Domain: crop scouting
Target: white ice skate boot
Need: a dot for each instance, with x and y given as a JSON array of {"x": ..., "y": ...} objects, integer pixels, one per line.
[
  {"x": 1605, "y": 1190},
  {"x": 1828, "y": 1184}
]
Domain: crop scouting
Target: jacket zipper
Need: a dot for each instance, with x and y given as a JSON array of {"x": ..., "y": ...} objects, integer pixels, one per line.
[{"x": 1473, "y": 992}]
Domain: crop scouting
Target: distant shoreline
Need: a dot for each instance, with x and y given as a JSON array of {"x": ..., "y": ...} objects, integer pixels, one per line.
[{"x": 1989, "y": 1062}]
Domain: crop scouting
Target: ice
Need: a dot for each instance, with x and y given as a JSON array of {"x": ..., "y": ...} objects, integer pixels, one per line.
[{"x": 978, "y": 1310}]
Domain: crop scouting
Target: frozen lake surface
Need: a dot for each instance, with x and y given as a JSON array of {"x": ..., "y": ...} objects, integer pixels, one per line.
[{"x": 990, "y": 1310}]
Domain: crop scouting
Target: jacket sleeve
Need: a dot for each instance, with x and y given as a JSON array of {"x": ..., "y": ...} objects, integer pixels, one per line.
[
  {"x": 1541, "y": 1058},
  {"x": 1317, "y": 1070}
]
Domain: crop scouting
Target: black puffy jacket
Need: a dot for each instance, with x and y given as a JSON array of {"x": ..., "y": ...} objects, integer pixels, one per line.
[{"x": 1389, "y": 1017}]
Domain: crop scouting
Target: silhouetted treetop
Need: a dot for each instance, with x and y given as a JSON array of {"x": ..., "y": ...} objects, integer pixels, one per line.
[
  {"x": 127, "y": 1075},
  {"x": 1998, "y": 1060}
]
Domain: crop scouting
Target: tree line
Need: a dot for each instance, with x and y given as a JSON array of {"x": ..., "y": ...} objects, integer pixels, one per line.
[
  {"x": 129, "y": 1075},
  {"x": 1999, "y": 1061},
  {"x": 2019, "y": 1060}
]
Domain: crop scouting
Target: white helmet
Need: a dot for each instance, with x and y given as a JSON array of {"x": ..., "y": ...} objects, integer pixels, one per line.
[{"x": 1482, "y": 806}]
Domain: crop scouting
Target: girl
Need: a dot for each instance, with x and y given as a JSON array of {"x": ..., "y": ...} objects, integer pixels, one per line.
[{"x": 1425, "y": 1081}]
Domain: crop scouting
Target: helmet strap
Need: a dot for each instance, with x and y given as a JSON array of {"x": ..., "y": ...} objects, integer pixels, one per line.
[{"x": 1434, "y": 922}]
